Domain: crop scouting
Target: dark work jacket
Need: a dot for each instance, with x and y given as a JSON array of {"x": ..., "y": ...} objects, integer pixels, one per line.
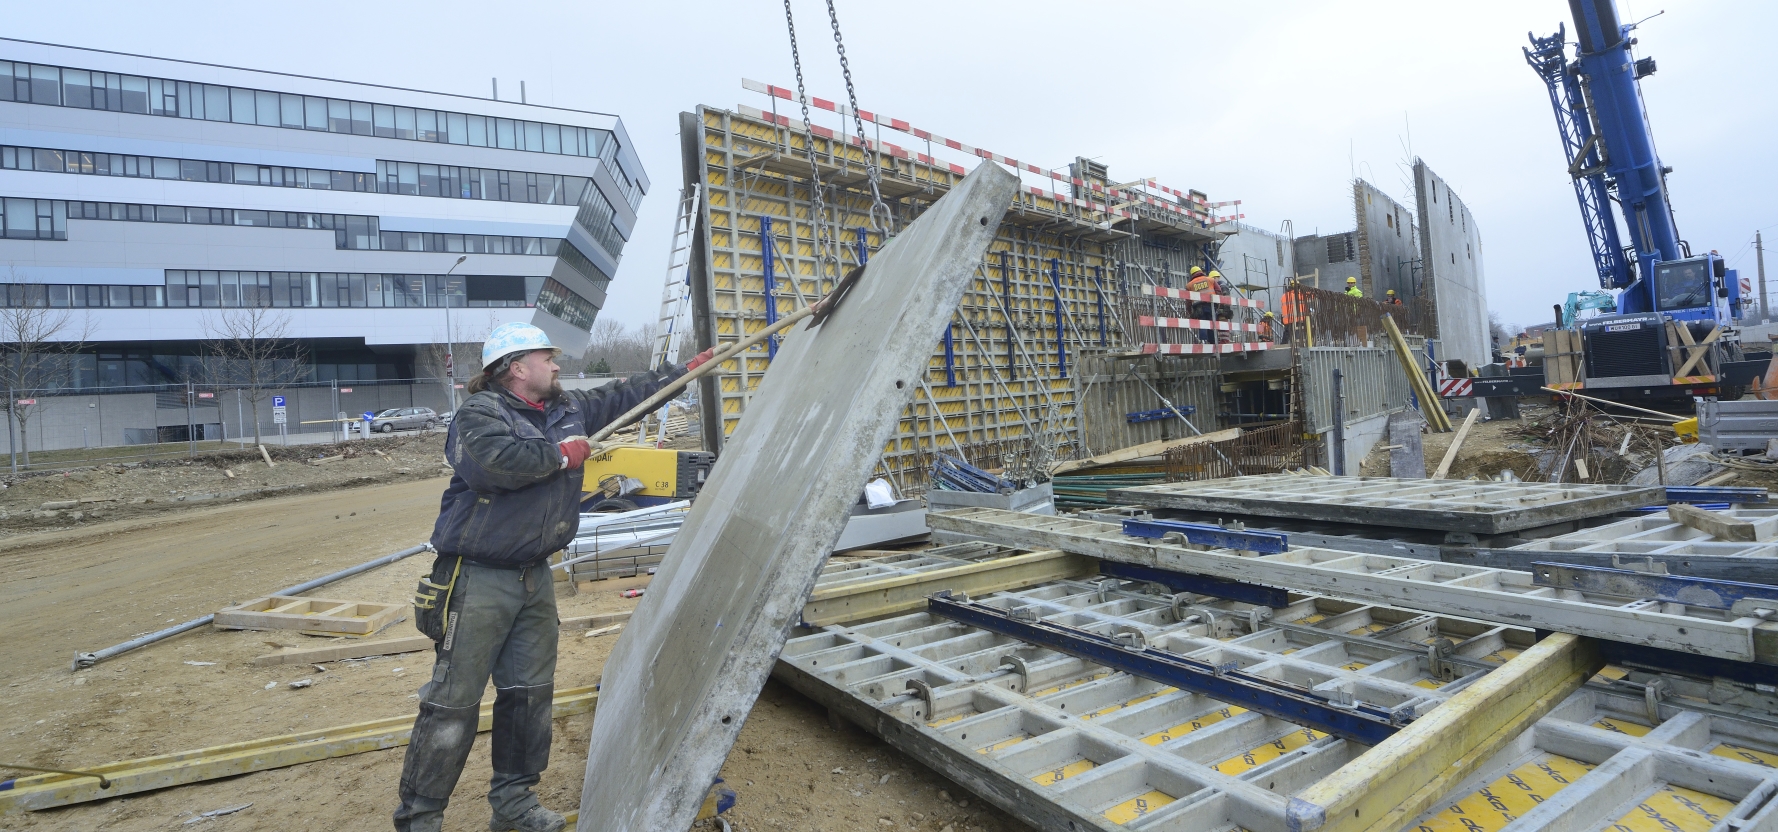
[{"x": 510, "y": 504}]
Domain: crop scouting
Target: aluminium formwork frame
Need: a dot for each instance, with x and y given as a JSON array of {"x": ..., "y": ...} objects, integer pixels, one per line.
[{"x": 1064, "y": 743}]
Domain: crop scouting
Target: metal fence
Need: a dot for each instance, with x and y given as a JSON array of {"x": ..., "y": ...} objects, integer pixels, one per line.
[{"x": 64, "y": 427}]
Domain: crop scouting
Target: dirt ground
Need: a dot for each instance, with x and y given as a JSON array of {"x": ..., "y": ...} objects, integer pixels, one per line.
[
  {"x": 62, "y": 499},
  {"x": 100, "y": 582}
]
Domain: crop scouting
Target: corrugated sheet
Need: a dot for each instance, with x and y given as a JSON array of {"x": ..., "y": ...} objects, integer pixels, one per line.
[{"x": 1371, "y": 379}]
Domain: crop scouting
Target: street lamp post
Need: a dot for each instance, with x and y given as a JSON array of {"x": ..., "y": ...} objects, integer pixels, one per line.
[{"x": 444, "y": 290}]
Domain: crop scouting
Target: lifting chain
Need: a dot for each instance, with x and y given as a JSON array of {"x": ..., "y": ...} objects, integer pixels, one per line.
[
  {"x": 877, "y": 208},
  {"x": 818, "y": 213}
]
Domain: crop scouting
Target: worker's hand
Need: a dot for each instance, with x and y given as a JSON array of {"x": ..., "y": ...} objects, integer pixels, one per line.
[
  {"x": 700, "y": 359},
  {"x": 574, "y": 453}
]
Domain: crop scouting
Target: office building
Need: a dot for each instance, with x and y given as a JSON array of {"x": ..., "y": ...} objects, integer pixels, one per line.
[{"x": 151, "y": 197}]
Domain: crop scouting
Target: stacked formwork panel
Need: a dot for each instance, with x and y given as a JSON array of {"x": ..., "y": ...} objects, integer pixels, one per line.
[{"x": 1062, "y": 282}]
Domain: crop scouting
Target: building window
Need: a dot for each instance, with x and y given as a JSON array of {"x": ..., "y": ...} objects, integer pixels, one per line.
[
  {"x": 560, "y": 301},
  {"x": 391, "y": 177},
  {"x": 65, "y": 87}
]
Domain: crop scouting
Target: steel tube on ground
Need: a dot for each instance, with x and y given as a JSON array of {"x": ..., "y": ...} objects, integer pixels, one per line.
[{"x": 82, "y": 660}]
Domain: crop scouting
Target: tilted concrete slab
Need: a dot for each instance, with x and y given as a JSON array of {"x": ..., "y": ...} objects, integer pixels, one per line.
[
  {"x": 1452, "y": 506},
  {"x": 687, "y": 669}
]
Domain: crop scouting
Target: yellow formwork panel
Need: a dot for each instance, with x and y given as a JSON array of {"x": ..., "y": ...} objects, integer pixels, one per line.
[
  {"x": 1138, "y": 806},
  {"x": 1746, "y": 755},
  {"x": 1193, "y": 724},
  {"x": 1506, "y": 799},
  {"x": 1050, "y": 777},
  {"x": 1261, "y": 754}
]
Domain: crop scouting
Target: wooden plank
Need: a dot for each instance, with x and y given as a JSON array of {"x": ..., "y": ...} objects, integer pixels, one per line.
[
  {"x": 1403, "y": 776},
  {"x": 1444, "y": 465},
  {"x": 587, "y": 622},
  {"x": 1719, "y": 526},
  {"x": 1698, "y": 351},
  {"x": 128, "y": 777},
  {"x": 1154, "y": 448},
  {"x": 905, "y": 593},
  {"x": 316, "y": 615},
  {"x": 335, "y": 652},
  {"x": 1430, "y": 403}
]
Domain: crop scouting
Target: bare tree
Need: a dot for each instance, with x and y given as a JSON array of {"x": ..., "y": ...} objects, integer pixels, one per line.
[
  {"x": 1500, "y": 332},
  {"x": 250, "y": 349},
  {"x": 40, "y": 344},
  {"x": 621, "y": 349}
]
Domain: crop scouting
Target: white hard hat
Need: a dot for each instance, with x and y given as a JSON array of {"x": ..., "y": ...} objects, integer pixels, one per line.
[{"x": 507, "y": 339}]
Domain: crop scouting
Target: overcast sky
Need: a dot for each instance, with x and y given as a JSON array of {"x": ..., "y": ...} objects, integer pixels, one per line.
[{"x": 1276, "y": 104}]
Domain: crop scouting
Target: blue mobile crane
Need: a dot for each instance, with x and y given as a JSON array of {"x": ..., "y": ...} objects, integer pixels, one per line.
[{"x": 1668, "y": 299}]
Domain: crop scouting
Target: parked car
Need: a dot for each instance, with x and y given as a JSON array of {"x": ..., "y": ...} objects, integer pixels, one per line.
[
  {"x": 445, "y": 419},
  {"x": 404, "y": 418}
]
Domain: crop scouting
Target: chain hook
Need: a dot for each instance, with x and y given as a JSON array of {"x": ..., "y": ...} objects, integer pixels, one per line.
[{"x": 870, "y": 153}]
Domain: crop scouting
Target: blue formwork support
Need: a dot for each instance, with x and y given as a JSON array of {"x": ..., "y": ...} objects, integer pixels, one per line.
[
  {"x": 1099, "y": 284},
  {"x": 950, "y": 359},
  {"x": 767, "y": 250},
  {"x": 1061, "y": 349},
  {"x": 863, "y": 251},
  {"x": 1223, "y": 680},
  {"x": 1012, "y": 368}
]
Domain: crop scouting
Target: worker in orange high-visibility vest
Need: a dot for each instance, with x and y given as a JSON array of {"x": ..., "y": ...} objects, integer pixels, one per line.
[
  {"x": 1269, "y": 331},
  {"x": 1296, "y": 308},
  {"x": 1200, "y": 310}
]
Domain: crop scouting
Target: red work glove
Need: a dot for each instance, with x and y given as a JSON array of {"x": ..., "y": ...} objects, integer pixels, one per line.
[
  {"x": 574, "y": 453},
  {"x": 700, "y": 359}
]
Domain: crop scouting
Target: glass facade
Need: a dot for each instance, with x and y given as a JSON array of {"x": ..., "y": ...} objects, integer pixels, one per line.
[
  {"x": 67, "y": 87},
  {"x": 224, "y": 289},
  {"x": 409, "y": 178},
  {"x": 562, "y": 302},
  {"x": 597, "y": 216}
]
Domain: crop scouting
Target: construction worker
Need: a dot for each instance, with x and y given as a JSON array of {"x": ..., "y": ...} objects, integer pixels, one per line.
[
  {"x": 1269, "y": 331},
  {"x": 1391, "y": 299},
  {"x": 490, "y": 603},
  {"x": 1296, "y": 307},
  {"x": 1352, "y": 289},
  {"x": 1200, "y": 310}
]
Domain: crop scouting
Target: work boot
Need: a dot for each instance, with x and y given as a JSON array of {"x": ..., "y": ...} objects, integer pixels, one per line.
[
  {"x": 535, "y": 819},
  {"x": 420, "y": 822}
]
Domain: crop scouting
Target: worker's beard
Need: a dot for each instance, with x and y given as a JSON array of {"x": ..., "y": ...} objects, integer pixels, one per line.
[{"x": 555, "y": 389}]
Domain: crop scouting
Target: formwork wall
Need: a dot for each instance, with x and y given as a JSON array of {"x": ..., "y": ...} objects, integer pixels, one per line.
[
  {"x": 1452, "y": 250},
  {"x": 1007, "y": 384}
]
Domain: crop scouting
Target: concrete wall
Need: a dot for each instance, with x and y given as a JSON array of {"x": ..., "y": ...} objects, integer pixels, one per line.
[
  {"x": 1312, "y": 257},
  {"x": 1258, "y": 257},
  {"x": 1388, "y": 247},
  {"x": 1452, "y": 247}
]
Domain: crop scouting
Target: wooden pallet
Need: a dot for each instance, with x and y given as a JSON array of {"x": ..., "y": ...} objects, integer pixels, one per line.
[{"x": 320, "y": 615}]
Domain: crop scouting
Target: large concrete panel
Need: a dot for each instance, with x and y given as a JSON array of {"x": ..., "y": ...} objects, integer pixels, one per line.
[
  {"x": 1451, "y": 249},
  {"x": 1388, "y": 247},
  {"x": 684, "y": 675}
]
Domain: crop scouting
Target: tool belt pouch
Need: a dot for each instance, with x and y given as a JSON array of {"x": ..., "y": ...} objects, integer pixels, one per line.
[{"x": 432, "y": 598}]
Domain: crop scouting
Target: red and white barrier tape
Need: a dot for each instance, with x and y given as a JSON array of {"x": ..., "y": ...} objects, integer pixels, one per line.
[
  {"x": 1195, "y": 206},
  {"x": 1202, "y": 297},
  {"x": 1202, "y": 349},
  {"x": 1194, "y": 323}
]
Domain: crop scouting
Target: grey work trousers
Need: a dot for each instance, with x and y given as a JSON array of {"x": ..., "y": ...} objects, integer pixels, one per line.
[{"x": 500, "y": 623}]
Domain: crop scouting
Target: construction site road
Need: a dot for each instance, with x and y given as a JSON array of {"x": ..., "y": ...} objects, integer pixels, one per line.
[{"x": 100, "y": 583}]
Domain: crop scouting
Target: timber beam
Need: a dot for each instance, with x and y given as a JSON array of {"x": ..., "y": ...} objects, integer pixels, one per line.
[{"x": 1396, "y": 780}]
